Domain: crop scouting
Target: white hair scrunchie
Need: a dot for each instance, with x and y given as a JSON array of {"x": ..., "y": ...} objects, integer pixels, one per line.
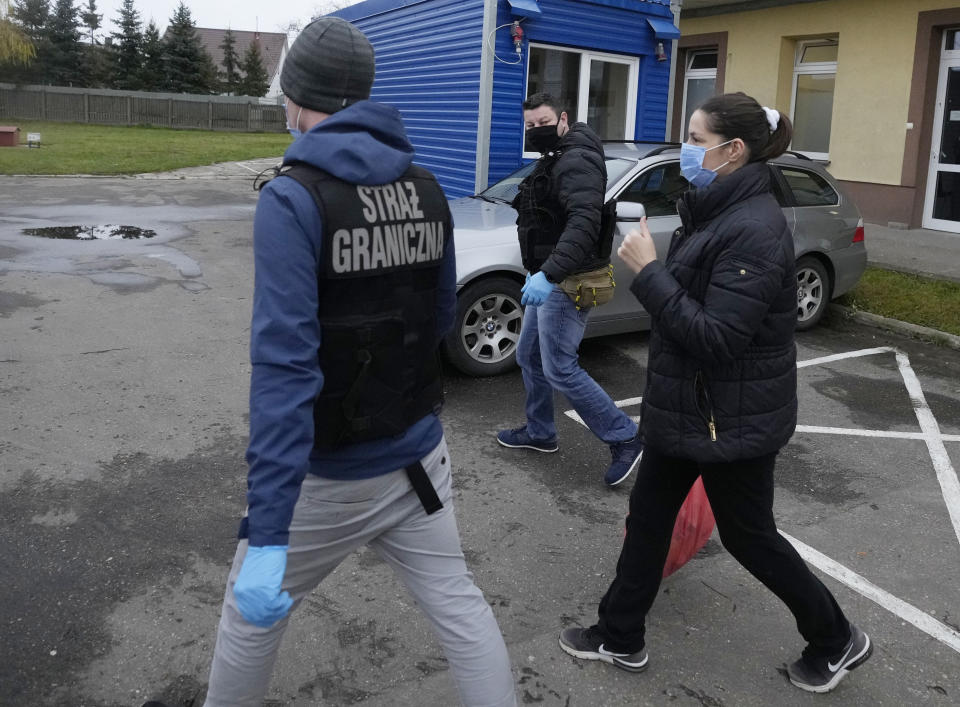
[{"x": 773, "y": 118}]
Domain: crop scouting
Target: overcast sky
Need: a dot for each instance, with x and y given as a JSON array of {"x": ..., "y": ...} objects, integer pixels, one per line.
[{"x": 237, "y": 14}]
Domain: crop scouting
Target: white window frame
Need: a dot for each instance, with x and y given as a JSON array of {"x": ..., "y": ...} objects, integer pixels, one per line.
[
  {"x": 810, "y": 68},
  {"x": 583, "y": 91},
  {"x": 695, "y": 74}
]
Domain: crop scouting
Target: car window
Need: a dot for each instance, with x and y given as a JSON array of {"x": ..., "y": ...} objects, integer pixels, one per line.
[
  {"x": 809, "y": 188},
  {"x": 506, "y": 188},
  {"x": 658, "y": 189}
]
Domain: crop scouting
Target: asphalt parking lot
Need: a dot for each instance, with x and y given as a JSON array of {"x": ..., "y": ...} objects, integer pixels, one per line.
[{"x": 123, "y": 374}]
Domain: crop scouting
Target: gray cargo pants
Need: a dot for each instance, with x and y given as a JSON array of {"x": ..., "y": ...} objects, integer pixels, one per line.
[{"x": 331, "y": 520}]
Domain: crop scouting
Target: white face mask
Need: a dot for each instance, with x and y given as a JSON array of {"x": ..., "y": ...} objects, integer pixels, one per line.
[{"x": 295, "y": 130}]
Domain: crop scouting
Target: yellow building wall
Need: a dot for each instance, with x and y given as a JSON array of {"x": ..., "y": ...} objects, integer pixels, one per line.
[{"x": 874, "y": 67}]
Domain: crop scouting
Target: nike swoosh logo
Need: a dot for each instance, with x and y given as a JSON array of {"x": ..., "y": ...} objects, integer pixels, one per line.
[
  {"x": 603, "y": 651},
  {"x": 835, "y": 667}
]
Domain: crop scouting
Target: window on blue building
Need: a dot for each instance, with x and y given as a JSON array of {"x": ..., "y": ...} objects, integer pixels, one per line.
[{"x": 597, "y": 89}]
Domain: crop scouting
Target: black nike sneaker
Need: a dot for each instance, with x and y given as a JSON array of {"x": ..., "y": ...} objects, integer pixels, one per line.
[
  {"x": 586, "y": 643},
  {"x": 824, "y": 674}
]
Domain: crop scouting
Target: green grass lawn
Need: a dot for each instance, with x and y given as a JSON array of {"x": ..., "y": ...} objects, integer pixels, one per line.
[
  {"x": 909, "y": 298},
  {"x": 75, "y": 148}
]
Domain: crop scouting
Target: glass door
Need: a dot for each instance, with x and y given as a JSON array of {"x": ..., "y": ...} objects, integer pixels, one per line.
[
  {"x": 607, "y": 99},
  {"x": 941, "y": 210},
  {"x": 595, "y": 88}
]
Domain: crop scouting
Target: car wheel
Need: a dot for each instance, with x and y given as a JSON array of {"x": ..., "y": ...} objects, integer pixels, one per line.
[
  {"x": 813, "y": 292},
  {"x": 487, "y": 327}
]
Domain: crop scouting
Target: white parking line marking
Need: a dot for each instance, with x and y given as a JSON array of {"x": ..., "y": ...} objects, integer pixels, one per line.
[
  {"x": 926, "y": 623},
  {"x": 841, "y": 356},
  {"x": 946, "y": 476},
  {"x": 870, "y": 433},
  {"x": 572, "y": 414},
  {"x": 246, "y": 166}
]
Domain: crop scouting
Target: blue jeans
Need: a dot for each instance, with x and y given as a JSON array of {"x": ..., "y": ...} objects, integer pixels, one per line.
[{"x": 547, "y": 354}]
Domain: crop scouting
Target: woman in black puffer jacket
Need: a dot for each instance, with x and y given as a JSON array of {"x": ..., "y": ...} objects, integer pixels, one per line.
[{"x": 721, "y": 395}]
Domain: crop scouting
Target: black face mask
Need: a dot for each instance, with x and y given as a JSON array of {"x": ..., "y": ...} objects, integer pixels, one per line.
[{"x": 543, "y": 138}]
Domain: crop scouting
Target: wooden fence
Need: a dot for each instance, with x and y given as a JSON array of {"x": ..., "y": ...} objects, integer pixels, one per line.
[{"x": 108, "y": 107}]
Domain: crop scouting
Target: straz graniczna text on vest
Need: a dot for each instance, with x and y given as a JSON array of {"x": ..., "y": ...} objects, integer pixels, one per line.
[{"x": 396, "y": 235}]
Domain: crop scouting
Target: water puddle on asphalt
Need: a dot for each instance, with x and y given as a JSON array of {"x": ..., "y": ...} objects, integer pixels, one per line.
[
  {"x": 122, "y": 246},
  {"x": 107, "y": 232}
]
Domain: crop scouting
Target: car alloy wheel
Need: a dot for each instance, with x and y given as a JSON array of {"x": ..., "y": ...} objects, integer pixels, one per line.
[
  {"x": 813, "y": 288},
  {"x": 487, "y": 327}
]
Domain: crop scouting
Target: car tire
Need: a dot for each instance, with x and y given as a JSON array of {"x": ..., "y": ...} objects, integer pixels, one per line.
[
  {"x": 813, "y": 292},
  {"x": 486, "y": 330}
]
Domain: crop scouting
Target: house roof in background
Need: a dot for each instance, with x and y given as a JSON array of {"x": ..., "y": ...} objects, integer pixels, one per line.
[{"x": 271, "y": 46}]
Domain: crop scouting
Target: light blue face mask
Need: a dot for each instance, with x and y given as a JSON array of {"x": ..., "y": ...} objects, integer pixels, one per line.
[
  {"x": 296, "y": 132},
  {"x": 691, "y": 164}
]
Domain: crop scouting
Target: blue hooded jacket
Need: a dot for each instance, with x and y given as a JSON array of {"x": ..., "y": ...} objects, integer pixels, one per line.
[{"x": 365, "y": 143}]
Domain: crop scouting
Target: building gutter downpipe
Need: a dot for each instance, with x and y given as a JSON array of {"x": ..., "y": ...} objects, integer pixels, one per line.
[
  {"x": 675, "y": 7},
  {"x": 485, "y": 107}
]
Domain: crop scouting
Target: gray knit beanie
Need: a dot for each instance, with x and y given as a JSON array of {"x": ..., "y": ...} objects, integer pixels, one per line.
[{"x": 329, "y": 67}]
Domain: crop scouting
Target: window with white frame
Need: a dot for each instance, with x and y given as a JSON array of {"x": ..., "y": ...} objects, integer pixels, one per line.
[
  {"x": 814, "y": 79},
  {"x": 699, "y": 82},
  {"x": 595, "y": 88}
]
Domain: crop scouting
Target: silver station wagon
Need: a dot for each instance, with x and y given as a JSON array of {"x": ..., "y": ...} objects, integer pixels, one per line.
[{"x": 827, "y": 234}]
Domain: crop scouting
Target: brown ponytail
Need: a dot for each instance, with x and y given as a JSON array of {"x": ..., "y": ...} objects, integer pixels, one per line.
[{"x": 737, "y": 115}]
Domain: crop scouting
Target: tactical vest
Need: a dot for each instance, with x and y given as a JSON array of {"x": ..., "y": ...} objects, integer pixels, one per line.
[
  {"x": 377, "y": 286},
  {"x": 541, "y": 218}
]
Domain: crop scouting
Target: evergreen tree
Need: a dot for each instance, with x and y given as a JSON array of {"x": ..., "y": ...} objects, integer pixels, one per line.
[
  {"x": 254, "y": 81},
  {"x": 97, "y": 65},
  {"x": 126, "y": 48},
  {"x": 30, "y": 18},
  {"x": 229, "y": 77},
  {"x": 65, "y": 60},
  {"x": 151, "y": 75},
  {"x": 92, "y": 20},
  {"x": 187, "y": 66}
]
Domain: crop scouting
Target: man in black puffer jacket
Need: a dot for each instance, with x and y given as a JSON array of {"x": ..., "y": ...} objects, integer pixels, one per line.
[
  {"x": 721, "y": 394},
  {"x": 559, "y": 208}
]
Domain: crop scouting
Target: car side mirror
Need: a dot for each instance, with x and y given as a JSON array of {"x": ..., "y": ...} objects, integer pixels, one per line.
[{"x": 630, "y": 211}]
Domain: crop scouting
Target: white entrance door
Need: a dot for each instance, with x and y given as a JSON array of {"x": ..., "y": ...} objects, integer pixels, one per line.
[{"x": 941, "y": 209}]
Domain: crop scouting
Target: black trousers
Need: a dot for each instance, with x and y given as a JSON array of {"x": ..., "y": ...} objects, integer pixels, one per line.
[{"x": 741, "y": 496}]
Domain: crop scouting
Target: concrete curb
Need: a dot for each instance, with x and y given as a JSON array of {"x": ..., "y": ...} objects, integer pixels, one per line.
[{"x": 895, "y": 325}]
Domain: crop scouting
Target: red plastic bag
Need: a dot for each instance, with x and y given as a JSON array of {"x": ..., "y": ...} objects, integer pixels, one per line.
[{"x": 692, "y": 530}]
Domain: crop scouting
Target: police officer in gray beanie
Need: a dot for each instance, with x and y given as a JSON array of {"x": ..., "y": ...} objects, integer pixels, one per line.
[{"x": 354, "y": 291}]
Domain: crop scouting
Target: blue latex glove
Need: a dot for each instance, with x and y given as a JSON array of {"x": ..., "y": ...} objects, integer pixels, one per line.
[
  {"x": 257, "y": 589},
  {"x": 536, "y": 291}
]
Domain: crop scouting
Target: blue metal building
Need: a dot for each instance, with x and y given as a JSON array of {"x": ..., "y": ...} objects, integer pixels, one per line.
[{"x": 458, "y": 71}]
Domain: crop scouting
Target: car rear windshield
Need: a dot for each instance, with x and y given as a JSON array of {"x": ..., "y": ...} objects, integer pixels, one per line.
[{"x": 506, "y": 188}]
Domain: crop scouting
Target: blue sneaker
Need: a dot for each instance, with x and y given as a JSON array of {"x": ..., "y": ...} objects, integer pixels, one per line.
[
  {"x": 626, "y": 458},
  {"x": 519, "y": 439}
]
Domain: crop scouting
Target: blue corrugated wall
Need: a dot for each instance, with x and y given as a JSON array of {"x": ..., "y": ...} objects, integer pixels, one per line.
[
  {"x": 428, "y": 67},
  {"x": 608, "y": 27}
]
